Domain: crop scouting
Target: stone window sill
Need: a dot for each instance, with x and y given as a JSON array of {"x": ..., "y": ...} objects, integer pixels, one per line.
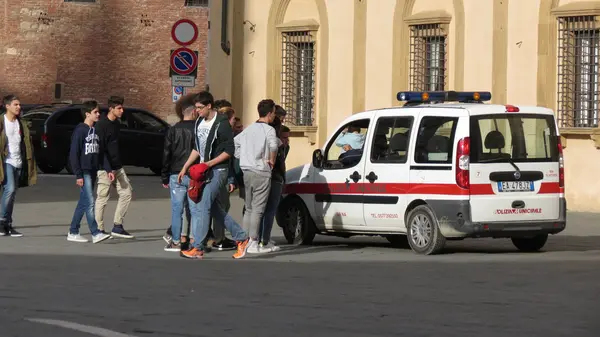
[
  {"x": 593, "y": 133},
  {"x": 304, "y": 131}
]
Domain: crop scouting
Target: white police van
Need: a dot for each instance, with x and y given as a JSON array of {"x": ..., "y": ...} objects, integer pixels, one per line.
[{"x": 432, "y": 171}]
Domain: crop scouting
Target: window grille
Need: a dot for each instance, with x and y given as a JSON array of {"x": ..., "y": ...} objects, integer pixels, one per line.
[
  {"x": 196, "y": 3},
  {"x": 298, "y": 77},
  {"x": 80, "y": 0},
  {"x": 578, "y": 52},
  {"x": 427, "y": 57}
]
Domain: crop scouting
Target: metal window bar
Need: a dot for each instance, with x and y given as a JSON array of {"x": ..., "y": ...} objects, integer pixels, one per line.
[
  {"x": 428, "y": 51},
  {"x": 196, "y": 3},
  {"x": 578, "y": 69},
  {"x": 80, "y": 0},
  {"x": 298, "y": 77}
]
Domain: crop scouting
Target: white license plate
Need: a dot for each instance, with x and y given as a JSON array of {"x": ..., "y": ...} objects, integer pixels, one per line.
[{"x": 515, "y": 186}]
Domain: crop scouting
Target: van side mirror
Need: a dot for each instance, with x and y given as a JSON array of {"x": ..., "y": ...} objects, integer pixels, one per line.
[{"x": 317, "y": 158}]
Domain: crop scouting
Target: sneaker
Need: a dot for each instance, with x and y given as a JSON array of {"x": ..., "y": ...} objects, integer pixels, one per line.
[
  {"x": 242, "y": 247},
  {"x": 193, "y": 253},
  {"x": 269, "y": 247},
  {"x": 120, "y": 232},
  {"x": 226, "y": 244},
  {"x": 173, "y": 247},
  {"x": 99, "y": 237},
  {"x": 76, "y": 238},
  {"x": 252, "y": 247},
  {"x": 13, "y": 233},
  {"x": 168, "y": 238}
]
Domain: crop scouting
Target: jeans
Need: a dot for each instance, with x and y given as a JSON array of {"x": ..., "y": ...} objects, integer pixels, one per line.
[
  {"x": 10, "y": 185},
  {"x": 85, "y": 205},
  {"x": 268, "y": 219},
  {"x": 179, "y": 203},
  {"x": 210, "y": 205}
]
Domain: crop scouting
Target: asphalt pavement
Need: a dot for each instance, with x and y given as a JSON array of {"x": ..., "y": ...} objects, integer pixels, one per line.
[{"x": 337, "y": 287}]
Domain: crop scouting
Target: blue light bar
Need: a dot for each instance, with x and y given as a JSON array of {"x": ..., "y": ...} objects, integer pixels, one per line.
[{"x": 444, "y": 96}]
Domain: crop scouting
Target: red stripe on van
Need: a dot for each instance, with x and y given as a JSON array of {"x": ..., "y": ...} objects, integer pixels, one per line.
[{"x": 400, "y": 188}]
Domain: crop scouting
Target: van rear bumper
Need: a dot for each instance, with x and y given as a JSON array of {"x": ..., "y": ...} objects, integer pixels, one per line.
[{"x": 454, "y": 219}]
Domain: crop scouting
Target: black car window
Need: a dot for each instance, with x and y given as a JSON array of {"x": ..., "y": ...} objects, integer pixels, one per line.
[
  {"x": 145, "y": 122},
  {"x": 70, "y": 117}
]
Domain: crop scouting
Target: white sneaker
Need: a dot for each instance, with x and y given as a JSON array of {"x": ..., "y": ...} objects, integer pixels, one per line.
[
  {"x": 253, "y": 247},
  {"x": 100, "y": 237},
  {"x": 76, "y": 238},
  {"x": 269, "y": 247}
]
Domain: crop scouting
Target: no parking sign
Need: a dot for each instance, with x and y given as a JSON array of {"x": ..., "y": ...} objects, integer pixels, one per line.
[{"x": 177, "y": 93}]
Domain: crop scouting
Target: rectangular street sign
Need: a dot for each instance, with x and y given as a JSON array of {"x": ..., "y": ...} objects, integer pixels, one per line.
[{"x": 183, "y": 81}]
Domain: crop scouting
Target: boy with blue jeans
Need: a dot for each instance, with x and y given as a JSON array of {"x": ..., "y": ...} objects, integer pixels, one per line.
[
  {"x": 213, "y": 147},
  {"x": 83, "y": 157},
  {"x": 179, "y": 142}
]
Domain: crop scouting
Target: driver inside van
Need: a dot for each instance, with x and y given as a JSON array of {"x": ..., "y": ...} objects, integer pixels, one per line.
[{"x": 350, "y": 139}]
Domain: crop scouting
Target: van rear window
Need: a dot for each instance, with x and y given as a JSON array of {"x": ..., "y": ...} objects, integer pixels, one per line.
[{"x": 516, "y": 137}]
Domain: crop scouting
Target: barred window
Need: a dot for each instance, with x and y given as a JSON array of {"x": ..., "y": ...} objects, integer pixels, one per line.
[
  {"x": 578, "y": 52},
  {"x": 196, "y": 3},
  {"x": 427, "y": 57},
  {"x": 298, "y": 77},
  {"x": 80, "y": 0}
]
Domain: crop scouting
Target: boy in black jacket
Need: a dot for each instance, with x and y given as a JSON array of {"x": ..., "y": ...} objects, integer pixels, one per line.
[
  {"x": 83, "y": 157},
  {"x": 179, "y": 143},
  {"x": 214, "y": 147}
]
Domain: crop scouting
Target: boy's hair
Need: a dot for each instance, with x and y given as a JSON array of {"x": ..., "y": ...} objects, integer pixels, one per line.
[
  {"x": 353, "y": 128},
  {"x": 237, "y": 119},
  {"x": 183, "y": 103},
  {"x": 284, "y": 129},
  {"x": 265, "y": 107},
  {"x": 188, "y": 110},
  {"x": 222, "y": 103},
  {"x": 8, "y": 99},
  {"x": 205, "y": 98},
  {"x": 88, "y": 106},
  {"x": 227, "y": 111},
  {"x": 114, "y": 101}
]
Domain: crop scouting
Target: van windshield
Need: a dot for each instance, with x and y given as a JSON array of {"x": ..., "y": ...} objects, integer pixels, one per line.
[{"x": 513, "y": 137}]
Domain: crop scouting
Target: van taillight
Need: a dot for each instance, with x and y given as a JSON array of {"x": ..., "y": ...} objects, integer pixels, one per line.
[
  {"x": 44, "y": 140},
  {"x": 463, "y": 151},
  {"x": 561, "y": 164}
]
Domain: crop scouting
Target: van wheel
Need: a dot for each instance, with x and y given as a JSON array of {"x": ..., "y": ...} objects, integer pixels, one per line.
[
  {"x": 533, "y": 244},
  {"x": 49, "y": 169},
  {"x": 297, "y": 225},
  {"x": 424, "y": 236}
]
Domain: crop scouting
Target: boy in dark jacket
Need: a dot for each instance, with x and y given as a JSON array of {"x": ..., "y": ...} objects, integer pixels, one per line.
[
  {"x": 83, "y": 157},
  {"x": 214, "y": 147},
  {"x": 179, "y": 142}
]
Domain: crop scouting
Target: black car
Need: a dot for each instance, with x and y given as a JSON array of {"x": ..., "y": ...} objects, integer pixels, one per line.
[{"x": 140, "y": 144}]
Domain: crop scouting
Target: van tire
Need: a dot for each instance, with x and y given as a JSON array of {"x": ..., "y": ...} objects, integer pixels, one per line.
[
  {"x": 308, "y": 230},
  {"x": 532, "y": 244},
  {"x": 435, "y": 243}
]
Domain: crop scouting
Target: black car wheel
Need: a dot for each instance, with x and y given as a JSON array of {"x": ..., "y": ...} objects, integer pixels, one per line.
[
  {"x": 50, "y": 169},
  {"x": 156, "y": 170},
  {"x": 532, "y": 244},
  {"x": 296, "y": 222}
]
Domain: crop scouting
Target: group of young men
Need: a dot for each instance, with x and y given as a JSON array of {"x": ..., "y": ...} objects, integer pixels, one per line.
[{"x": 207, "y": 156}]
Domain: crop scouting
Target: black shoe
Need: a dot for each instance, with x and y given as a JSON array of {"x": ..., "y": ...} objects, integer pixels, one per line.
[
  {"x": 226, "y": 244},
  {"x": 120, "y": 232},
  {"x": 13, "y": 233}
]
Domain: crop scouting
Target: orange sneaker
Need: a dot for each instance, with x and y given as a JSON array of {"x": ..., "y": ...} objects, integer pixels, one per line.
[
  {"x": 242, "y": 247},
  {"x": 193, "y": 253}
]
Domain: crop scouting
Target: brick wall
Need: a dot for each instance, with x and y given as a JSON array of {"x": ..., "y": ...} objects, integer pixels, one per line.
[{"x": 111, "y": 47}]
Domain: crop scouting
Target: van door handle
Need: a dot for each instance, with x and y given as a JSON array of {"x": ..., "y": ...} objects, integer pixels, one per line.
[
  {"x": 518, "y": 204},
  {"x": 355, "y": 176},
  {"x": 372, "y": 177}
]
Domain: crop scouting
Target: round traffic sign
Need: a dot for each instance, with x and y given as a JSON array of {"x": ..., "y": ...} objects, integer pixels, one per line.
[
  {"x": 184, "y": 32},
  {"x": 184, "y": 61}
]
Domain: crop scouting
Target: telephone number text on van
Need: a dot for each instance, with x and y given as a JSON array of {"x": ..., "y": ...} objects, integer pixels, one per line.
[{"x": 519, "y": 211}]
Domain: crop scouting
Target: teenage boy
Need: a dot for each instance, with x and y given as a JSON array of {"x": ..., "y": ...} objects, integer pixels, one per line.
[
  {"x": 83, "y": 156},
  {"x": 256, "y": 147},
  {"x": 179, "y": 142},
  {"x": 18, "y": 167},
  {"x": 277, "y": 182},
  {"x": 214, "y": 147},
  {"x": 113, "y": 173}
]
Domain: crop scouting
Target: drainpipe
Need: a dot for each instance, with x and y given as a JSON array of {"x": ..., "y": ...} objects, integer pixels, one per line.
[{"x": 224, "y": 15}]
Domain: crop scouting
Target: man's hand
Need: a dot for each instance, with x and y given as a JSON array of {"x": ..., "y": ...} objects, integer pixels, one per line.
[
  {"x": 80, "y": 182},
  {"x": 111, "y": 176},
  {"x": 165, "y": 185},
  {"x": 181, "y": 175},
  {"x": 231, "y": 188},
  {"x": 347, "y": 147}
]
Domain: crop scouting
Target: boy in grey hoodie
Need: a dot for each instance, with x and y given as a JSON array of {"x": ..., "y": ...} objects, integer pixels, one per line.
[{"x": 256, "y": 147}]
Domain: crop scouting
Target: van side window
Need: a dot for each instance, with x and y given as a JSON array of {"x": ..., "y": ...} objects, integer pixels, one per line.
[
  {"x": 435, "y": 140},
  {"x": 391, "y": 139},
  {"x": 70, "y": 117},
  {"x": 345, "y": 149}
]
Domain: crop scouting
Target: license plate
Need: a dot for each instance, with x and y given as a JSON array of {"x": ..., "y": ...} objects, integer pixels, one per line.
[{"x": 515, "y": 186}]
